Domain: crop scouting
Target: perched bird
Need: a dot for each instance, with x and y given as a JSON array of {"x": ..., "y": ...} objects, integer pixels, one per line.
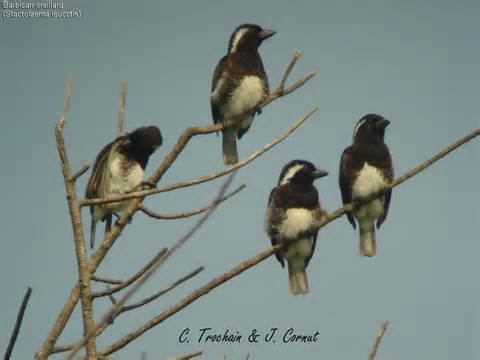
[
  {"x": 293, "y": 213},
  {"x": 119, "y": 169},
  {"x": 366, "y": 168},
  {"x": 239, "y": 85}
]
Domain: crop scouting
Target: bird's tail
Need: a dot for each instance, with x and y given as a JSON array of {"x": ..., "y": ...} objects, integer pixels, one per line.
[
  {"x": 230, "y": 155},
  {"x": 297, "y": 277},
  {"x": 368, "y": 244},
  {"x": 93, "y": 226}
]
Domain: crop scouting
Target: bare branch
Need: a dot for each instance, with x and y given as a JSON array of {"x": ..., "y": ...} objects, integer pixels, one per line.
[
  {"x": 190, "y": 299},
  {"x": 378, "y": 338},
  {"x": 134, "y": 278},
  {"x": 178, "y": 244},
  {"x": 237, "y": 270},
  {"x": 111, "y": 297},
  {"x": 18, "y": 323},
  {"x": 186, "y": 214},
  {"x": 121, "y": 108},
  {"x": 66, "y": 101},
  {"x": 77, "y": 226},
  {"x": 162, "y": 292},
  {"x": 107, "y": 280},
  {"x": 80, "y": 172},
  {"x": 227, "y": 170},
  {"x": 123, "y": 309},
  {"x": 187, "y": 356},
  {"x": 290, "y": 66},
  {"x": 281, "y": 91}
]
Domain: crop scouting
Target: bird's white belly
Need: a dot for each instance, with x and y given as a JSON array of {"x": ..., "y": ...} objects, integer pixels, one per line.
[
  {"x": 123, "y": 181},
  {"x": 249, "y": 93},
  {"x": 296, "y": 222},
  {"x": 369, "y": 181}
]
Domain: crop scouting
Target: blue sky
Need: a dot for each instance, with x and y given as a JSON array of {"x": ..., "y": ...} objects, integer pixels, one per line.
[{"x": 415, "y": 63}]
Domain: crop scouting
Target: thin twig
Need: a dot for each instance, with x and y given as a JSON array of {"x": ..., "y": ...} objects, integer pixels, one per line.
[
  {"x": 111, "y": 297},
  {"x": 237, "y": 270},
  {"x": 186, "y": 214},
  {"x": 121, "y": 108},
  {"x": 187, "y": 356},
  {"x": 227, "y": 170},
  {"x": 162, "y": 292},
  {"x": 281, "y": 86},
  {"x": 133, "y": 278},
  {"x": 378, "y": 339},
  {"x": 18, "y": 323},
  {"x": 66, "y": 101},
  {"x": 81, "y": 171},
  {"x": 77, "y": 226},
  {"x": 107, "y": 280},
  {"x": 133, "y": 306},
  {"x": 190, "y": 299},
  {"x": 178, "y": 244}
]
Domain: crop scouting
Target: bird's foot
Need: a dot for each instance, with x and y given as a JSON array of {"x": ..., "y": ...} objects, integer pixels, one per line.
[
  {"x": 147, "y": 185},
  {"x": 117, "y": 216}
]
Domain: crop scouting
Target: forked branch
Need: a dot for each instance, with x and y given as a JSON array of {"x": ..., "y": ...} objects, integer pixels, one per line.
[
  {"x": 133, "y": 278},
  {"x": 114, "y": 311}
]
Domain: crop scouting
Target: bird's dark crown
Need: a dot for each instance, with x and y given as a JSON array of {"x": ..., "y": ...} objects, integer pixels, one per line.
[
  {"x": 371, "y": 127},
  {"x": 146, "y": 138},
  {"x": 248, "y": 37},
  {"x": 300, "y": 172}
]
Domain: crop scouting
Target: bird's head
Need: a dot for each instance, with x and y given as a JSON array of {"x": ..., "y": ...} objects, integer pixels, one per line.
[
  {"x": 146, "y": 139},
  {"x": 248, "y": 37},
  {"x": 300, "y": 172},
  {"x": 370, "y": 127}
]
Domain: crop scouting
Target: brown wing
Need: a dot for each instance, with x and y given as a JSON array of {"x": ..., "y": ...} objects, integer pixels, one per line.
[
  {"x": 274, "y": 217},
  {"x": 320, "y": 213},
  {"x": 217, "y": 74},
  {"x": 97, "y": 183},
  {"x": 389, "y": 175},
  {"x": 345, "y": 180},
  {"x": 96, "y": 178}
]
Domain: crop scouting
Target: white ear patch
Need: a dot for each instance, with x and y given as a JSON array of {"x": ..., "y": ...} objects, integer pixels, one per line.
[
  {"x": 236, "y": 39},
  {"x": 290, "y": 174},
  {"x": 358, "y": 126}
]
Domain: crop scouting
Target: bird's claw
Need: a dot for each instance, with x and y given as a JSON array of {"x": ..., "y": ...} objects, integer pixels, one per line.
[{"x": 147, "y": 185}]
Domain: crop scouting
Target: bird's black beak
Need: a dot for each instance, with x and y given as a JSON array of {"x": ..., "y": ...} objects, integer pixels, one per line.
[
  {"x": 265, "y": 34},
  {"x": 382, "y": 124},
  {"x": 319, "y": 173}
]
